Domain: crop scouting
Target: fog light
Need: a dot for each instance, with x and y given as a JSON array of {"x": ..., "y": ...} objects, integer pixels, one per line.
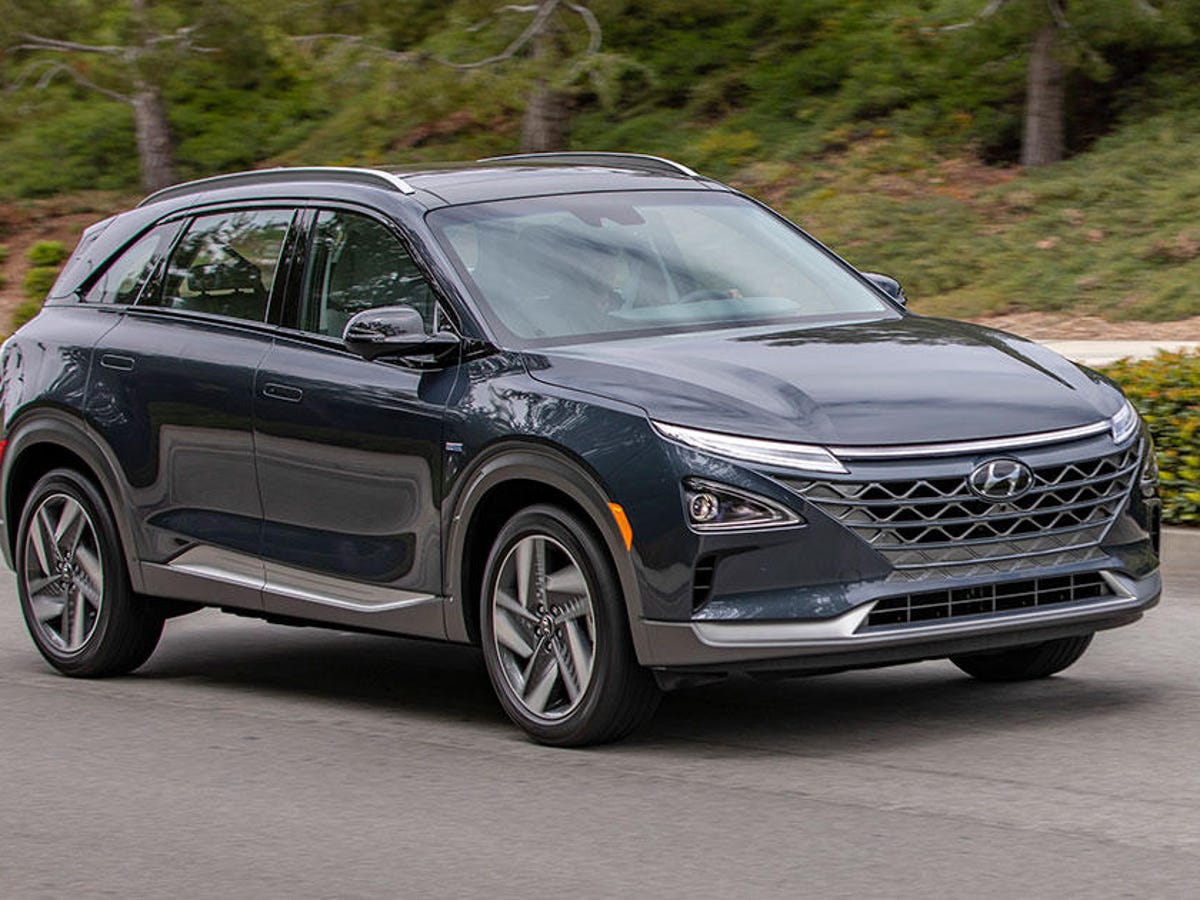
[
  {"x": 719, "y": 507},
  {"x": 705, "y": 507}
]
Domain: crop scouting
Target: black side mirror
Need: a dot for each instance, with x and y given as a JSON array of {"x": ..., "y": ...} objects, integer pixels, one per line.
[
  {"x": 888, "y": 285},
  {"x": 394, "y": 331}
]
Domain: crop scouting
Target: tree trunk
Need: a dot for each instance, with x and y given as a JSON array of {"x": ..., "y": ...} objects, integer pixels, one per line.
[
  {"x": 544, "y": 126},
  {"x": 1045, "y": 102},
  {"x": 156, "y": 155},
  {"x": 547, "y": 111}
]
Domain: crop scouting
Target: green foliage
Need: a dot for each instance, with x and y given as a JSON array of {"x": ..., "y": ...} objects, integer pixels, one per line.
[
  {"x": 1166, "y": 390},
  {"x": 38, "y": 281},
  {"x": 47, "y": 253},
  {"x": 3, "y": 253}
]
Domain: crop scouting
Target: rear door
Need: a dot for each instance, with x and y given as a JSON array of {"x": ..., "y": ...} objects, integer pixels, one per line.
[
  {"x": 172, "y": 394},
  {"x": 349, "y": 452}
]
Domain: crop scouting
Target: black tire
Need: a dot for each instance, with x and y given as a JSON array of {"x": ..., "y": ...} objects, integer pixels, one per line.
[
  {"x": 1024, "y": 663},
  {"x": 619, "y": 694},
  {"x": 120, "y": 630}
]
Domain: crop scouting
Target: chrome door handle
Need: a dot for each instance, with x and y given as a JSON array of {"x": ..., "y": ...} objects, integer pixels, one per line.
[
  {"x": 117, "y": 362},
  {"x": 284, "y": 392}
]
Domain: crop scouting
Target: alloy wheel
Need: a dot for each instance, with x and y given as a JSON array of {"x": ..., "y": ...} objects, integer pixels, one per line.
[
  {"x": 63, "y": 573},
  {"x": 544, "y": 627}
]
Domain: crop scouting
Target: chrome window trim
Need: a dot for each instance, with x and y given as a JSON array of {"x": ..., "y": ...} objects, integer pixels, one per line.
[{"x": 980, "y": 446}]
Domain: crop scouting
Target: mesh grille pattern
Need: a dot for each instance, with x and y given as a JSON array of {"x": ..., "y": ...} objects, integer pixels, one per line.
[
  {"x": 937, "y": 527},
  {"x": 987, "y": 599}
]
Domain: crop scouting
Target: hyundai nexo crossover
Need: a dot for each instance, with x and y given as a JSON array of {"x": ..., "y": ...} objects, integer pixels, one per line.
[{"x": 617, "y": 424}]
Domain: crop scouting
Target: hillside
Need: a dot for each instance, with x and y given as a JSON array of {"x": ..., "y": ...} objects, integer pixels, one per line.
[{"x": 882, "y": 126}]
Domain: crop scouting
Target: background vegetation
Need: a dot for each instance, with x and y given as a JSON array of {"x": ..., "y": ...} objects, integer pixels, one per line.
[
  {"x": 891, "y": 128},
  {"x": 1166, "y": 390}
]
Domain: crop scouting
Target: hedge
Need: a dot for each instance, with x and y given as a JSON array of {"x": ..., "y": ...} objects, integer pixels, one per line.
[{"x": 1166, "y": 390}]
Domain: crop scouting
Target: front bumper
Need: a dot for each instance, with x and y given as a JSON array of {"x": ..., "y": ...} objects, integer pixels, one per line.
[{"x": 843, "y": 643}]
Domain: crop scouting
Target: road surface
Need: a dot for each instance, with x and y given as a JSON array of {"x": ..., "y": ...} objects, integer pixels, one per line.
[{"x": 249, "y": 760}]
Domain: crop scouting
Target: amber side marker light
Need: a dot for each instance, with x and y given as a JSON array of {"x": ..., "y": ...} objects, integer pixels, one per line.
[{"x": 623, "y": 524}]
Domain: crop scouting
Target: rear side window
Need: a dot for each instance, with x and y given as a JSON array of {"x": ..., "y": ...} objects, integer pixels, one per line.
[
  {"x": 128, "y": 274},
  {"x": 357, "y": 263},
  {"x": 225, "y": 264}
]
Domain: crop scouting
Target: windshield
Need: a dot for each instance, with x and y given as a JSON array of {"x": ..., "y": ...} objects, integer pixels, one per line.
[{"x": 591, "y": 266}]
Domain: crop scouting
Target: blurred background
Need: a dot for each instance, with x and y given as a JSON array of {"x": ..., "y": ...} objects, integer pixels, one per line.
[{"x": 998, "y": 156}]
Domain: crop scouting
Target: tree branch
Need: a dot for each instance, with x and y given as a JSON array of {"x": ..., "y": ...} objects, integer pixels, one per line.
[
  {"x": 307, "y": 40},
  {"x": 56, "y": 68},
  {"x": 993, "y": 7},
  {"x": 37, "y": 42},
  {"x": 532, "y": 30},
  {"x": 593, "y": 25}
]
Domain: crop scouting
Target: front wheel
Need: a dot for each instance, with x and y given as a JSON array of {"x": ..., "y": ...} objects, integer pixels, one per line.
[
  {"x": 75, "y": 594},
  {"x": 1024, "y": 663},
  {"x": 554, "y": 633}
]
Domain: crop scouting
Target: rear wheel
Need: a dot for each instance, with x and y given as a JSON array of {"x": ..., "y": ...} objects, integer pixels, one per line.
[
  {"x": 1024, "y": 663},
  {"x": 75, "y": 594},
  {"x": 555, "y": 636}
]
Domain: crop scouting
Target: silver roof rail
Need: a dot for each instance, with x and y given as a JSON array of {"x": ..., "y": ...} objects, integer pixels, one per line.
[
  {"x": 588, "y": 158},
  {"x": 284, "y": 173}
]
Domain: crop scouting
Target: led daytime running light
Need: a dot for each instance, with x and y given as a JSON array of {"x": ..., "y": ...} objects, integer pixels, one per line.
[{"x": 779, "y": 454}]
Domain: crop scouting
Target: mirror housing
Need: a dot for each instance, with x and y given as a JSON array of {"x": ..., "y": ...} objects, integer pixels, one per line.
[
  {"x": 889, "y": 285},
  {"x": 394, "y": 331}
]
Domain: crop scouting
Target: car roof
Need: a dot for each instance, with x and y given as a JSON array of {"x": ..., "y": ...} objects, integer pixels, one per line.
[{"x": 439, "y": 184}]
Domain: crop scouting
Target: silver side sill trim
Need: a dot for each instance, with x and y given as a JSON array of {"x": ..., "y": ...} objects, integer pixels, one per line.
[
  {"x": 405, "y": 601},
  {"x": 231, "y": 567},
  {"x": 839, "y": 633},
  {"x": 959, "y": 447}
]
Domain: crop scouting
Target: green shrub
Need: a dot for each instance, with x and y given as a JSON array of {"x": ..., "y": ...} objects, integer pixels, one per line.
[
  {"x": 47, "y": 253},
  {"x": 38, "y": 281},
  {"x": 24, "y": 312},
  {"x": 1166, "y": 390},
  {"x": 3, "y": 253}
]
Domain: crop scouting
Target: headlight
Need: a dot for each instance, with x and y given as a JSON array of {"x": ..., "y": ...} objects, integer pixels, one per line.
[
  {"x": 1125, "y": 423},
  {"x": 719, "y": 507},
  {"x": 781, "y": 454},
  {"x": 1148, "y": 480}
]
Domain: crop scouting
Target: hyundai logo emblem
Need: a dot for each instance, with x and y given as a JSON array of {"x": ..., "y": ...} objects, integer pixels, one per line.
[{"x": 1001, "y": 479}]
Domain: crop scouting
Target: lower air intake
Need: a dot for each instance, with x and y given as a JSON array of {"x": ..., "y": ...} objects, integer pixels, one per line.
[{"x": 987, "y": 599}]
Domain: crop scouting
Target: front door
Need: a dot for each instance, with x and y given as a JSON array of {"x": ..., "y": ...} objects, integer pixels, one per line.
[{"x": 349, "y": 452}]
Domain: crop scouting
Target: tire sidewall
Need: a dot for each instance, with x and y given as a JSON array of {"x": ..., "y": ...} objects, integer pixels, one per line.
[
  {"x": 115, "y": 591},
  {"x": 607, "y": 607}
]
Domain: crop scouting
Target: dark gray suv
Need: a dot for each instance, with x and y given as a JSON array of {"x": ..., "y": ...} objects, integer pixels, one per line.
[{"x": 614, "y": 422}]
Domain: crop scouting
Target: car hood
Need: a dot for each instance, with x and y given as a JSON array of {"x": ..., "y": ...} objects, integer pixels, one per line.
[{"x": 898, "y": 381}]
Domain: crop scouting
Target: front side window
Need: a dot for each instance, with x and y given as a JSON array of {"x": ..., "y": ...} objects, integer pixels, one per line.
[
  {"x": 357, "y": 263},
  {"x": 124, "y": 279},
  {"x": 595, "y": 266},
  {"x": 225, "y": 264}
]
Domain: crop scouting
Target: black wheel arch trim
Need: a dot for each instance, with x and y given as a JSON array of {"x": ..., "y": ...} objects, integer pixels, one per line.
[
  {"x": 47, "y": 425},
  {"x": 527, "y": 461}
]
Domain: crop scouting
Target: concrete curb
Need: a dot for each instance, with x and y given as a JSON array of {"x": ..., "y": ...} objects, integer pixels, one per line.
[{"x": 1099, "y": 353}]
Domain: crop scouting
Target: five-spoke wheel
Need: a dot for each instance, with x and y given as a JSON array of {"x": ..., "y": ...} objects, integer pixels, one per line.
[
  {"x": 555, "y": 637},
  {"x": 544, "y": 626},
  {"x": 75, "y": 594},
  {"x": 63, "y": 573}
]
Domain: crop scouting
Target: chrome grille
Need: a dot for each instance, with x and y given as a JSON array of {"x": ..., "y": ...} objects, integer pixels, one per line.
[
  {"x": 937, "y": 527},
  {"x": 987, "y": 599}
]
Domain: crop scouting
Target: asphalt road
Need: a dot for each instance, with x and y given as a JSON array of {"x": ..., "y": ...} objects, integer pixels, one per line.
[{"x": 248, "y": 760}]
